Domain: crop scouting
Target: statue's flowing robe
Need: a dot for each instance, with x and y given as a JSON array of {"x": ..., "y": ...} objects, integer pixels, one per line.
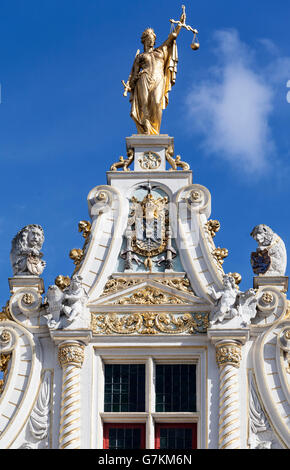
[{"x": 149, "y": 96}]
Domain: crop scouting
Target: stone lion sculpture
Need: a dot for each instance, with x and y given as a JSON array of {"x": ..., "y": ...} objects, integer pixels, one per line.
[
  {"x": 25, "y": 254},
  {"x": 270, "y": 258}
]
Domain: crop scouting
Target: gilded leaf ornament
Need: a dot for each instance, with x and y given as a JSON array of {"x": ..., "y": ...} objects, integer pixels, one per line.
[
  {"x": 150, "y": 296},
  {"x": 116, "y": 285},
  {"x": 149, "y": 323}
]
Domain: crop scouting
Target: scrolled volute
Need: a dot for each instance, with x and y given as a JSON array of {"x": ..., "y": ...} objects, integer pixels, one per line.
[
  {"x": 198, "y": 199},
  {"x": 26, "y": 301},
  {"x": 8, "y": 339},
  {"x": 268, "y": 300},
  {"x": 100, "y": 200}
]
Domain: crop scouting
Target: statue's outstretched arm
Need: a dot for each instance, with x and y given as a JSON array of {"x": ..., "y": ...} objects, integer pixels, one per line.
[{"x": 173, "y": 35}]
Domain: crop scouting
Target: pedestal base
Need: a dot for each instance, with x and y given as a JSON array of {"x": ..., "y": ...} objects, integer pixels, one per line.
[{"x": 281, "y": 282}]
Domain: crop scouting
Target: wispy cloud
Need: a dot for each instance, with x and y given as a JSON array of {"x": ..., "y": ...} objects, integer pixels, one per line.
[{"x": 231, "y": 110}]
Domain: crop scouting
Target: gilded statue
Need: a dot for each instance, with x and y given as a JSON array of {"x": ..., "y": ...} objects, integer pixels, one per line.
[{"x": 152, "y": 77}]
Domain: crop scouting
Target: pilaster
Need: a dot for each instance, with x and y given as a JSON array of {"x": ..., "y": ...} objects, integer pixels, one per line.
[
  {"x": 228, "y": 344},
  {"x": 71, "y": 355}
]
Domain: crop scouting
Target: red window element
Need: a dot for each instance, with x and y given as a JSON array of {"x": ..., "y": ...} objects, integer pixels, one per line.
[
  {"x": 176, "y": 436},
  {"x": 124, "y": 436}
]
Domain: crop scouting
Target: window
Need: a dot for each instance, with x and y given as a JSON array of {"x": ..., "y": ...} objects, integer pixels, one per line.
[
  {"x": 175, "y": 387},
  {"x": 175, "y": 436},
  {"x": 151, "y": 402},
  {"x": 124, "y": 387},
  {"x": 124, "y": 436}
]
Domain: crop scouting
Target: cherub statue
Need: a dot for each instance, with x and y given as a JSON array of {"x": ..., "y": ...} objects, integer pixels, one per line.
[
  {"x": 74, "y": 299},
  {"x": 226, "y": 300},
  {"x": 270, "y": 258},
  {"x": 25, "y": 254},
  {"x": 66, "y": 307},
  {"x": 233, "y": 304},
  {"x": 53, "y": 304}
]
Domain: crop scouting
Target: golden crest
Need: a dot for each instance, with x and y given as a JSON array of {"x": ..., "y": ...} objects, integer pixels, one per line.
[{"x": 149, "y": 221}]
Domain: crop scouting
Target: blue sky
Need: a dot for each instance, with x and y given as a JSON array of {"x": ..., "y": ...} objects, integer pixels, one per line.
[{"x": 64, "y": 120}]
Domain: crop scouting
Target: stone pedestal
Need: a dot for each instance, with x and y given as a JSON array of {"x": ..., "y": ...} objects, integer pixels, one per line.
[
  {"x": 20, "y": 282},
  {"x": 281, "y": 282},
  {"x": 149, "y": 151}
]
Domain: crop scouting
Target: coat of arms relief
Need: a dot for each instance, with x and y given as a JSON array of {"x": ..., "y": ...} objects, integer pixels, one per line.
[{"x": 148, "y": 233}]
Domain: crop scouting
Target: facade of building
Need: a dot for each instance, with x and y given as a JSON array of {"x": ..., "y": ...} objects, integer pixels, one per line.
[{"x": 149, "y": 344}]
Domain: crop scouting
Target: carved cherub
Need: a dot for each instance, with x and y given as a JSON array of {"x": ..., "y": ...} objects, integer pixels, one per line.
[
  {"x": 233, "y": 304},
  {"x": 226, "y": 300},
  {"x": 65, "y": 307},
  {"x": 73, "y": 300},
  {"x": 53, "y": 303},
  {"x": 270, "y": 258},
  {"x": 25, "y": 254}
]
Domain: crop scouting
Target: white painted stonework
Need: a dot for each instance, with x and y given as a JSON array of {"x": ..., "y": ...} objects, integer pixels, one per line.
[{"x": 148, "y": 288}]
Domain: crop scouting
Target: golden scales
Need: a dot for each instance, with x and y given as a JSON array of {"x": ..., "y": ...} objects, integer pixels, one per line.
[{"x": 194, "y": 44}]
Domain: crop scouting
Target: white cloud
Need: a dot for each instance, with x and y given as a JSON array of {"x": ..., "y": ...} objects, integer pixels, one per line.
[{"x": 231, "y": 110}]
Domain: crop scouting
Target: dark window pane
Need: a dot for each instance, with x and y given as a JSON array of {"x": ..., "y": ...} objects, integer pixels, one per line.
[
  {"x": 128, "y": 389},
  {"x": 124, "y": 438},
  {"x": 175, "y": 438},
  {"x": 175, "y": 387}
]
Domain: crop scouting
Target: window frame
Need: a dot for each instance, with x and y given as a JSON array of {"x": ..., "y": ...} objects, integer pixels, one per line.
[
  {"x": 192, "y": 426},
  {"x": 108, "y": 426},
  {"x": 141, "y": 354}
]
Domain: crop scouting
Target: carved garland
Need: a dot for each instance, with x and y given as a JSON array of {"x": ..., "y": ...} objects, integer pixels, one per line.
[{"x": 149, "y": 323}]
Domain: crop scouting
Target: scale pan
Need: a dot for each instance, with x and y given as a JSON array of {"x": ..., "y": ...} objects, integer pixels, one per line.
[{"x": 194, "y": 46}]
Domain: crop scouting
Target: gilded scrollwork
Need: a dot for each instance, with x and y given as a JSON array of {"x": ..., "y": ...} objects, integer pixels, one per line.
[
  {"x": 175, "y": 162},
  {"x": 124, "y": 163},
  {"x": 180, "y": 284},
  {"x": 115, "y": 285},
  {"x": 150, "y": 296},
  {"x": 149, "y": 323}
]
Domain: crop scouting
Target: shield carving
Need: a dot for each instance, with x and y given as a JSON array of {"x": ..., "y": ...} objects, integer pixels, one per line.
[{"x": 149, "y": 221}]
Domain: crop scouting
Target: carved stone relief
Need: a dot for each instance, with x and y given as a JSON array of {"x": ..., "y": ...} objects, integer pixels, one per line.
[
  {"x": 270, "y": 258},
  {"x": 25, "y": 254},
  {"x": 261, "y": 435},
  {"x": 232, "y": 306}
]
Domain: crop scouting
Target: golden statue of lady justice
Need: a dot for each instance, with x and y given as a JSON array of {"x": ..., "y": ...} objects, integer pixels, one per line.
[{"x": 152, "y": 76}]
